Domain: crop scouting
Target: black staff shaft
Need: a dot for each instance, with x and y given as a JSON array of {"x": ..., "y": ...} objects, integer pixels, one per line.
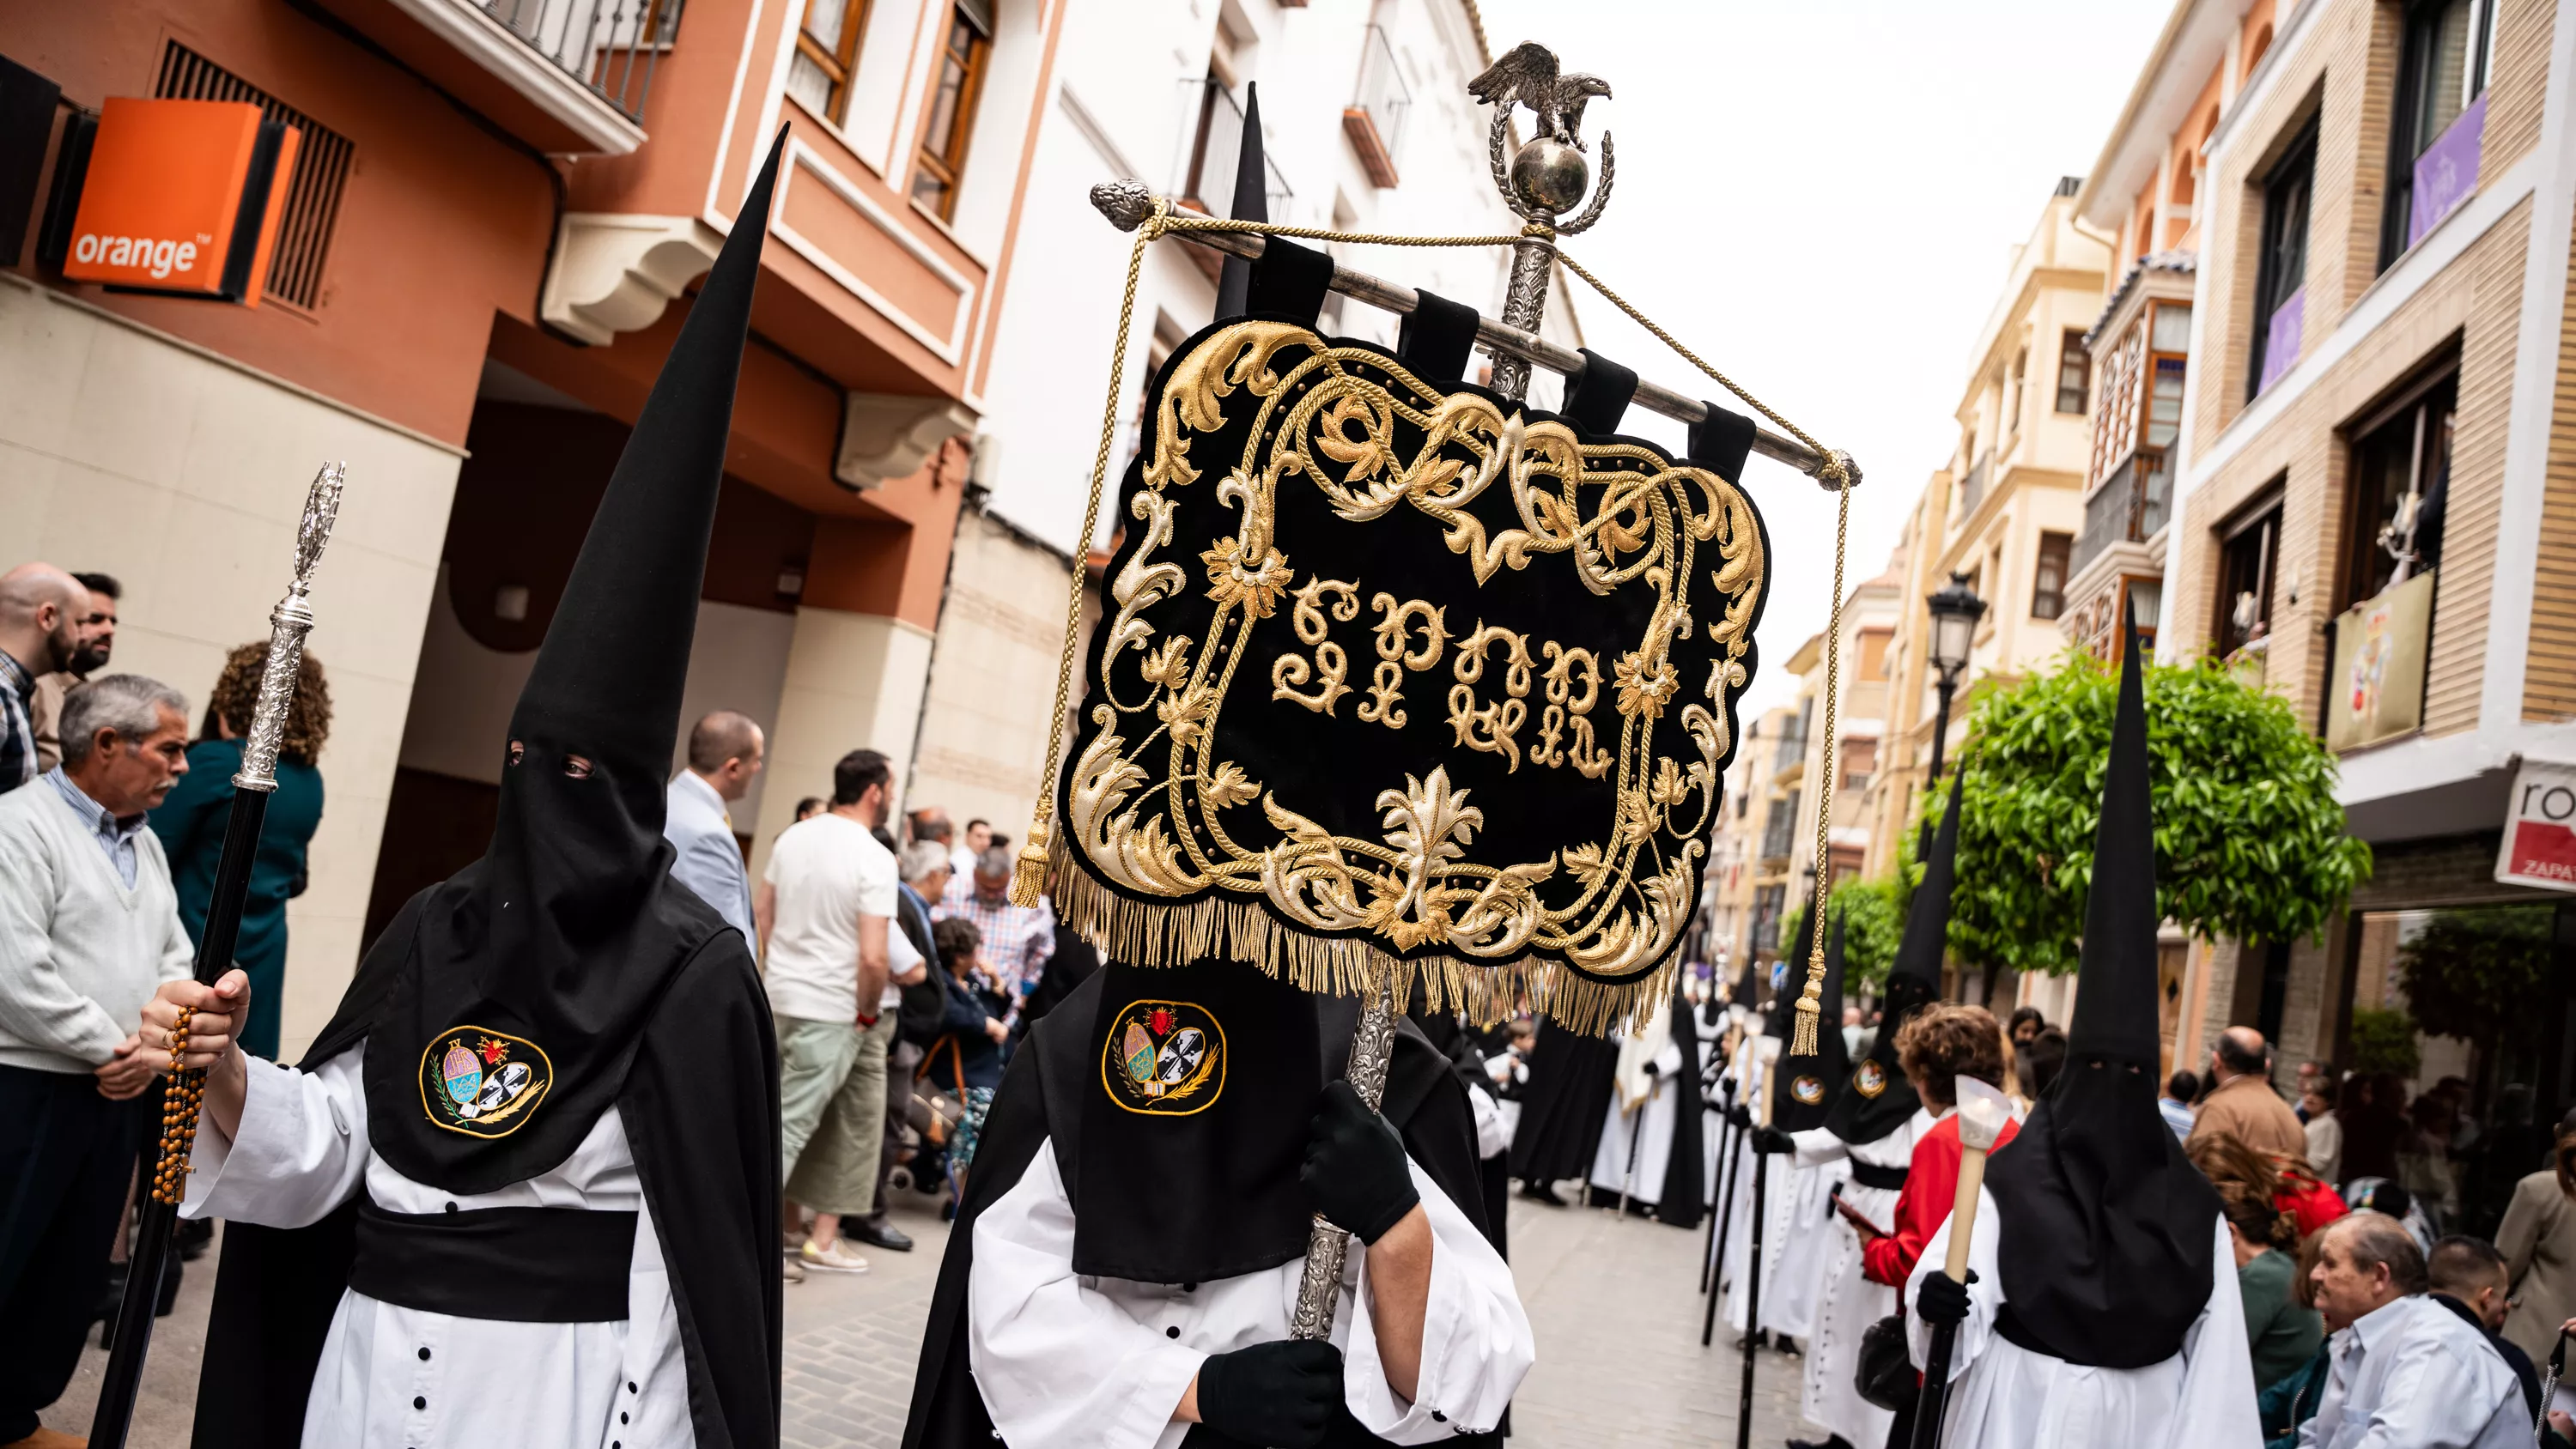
[
  {"x": 1716, "y": 1244},
  {"x": 1752, "y": 1302},
  {"x": 155, "y": 1219},
  {"x": 1724, "y": 1219},
  {"x": 1932, "y": 1405},
  {"x": 1636, "y": 1134}
]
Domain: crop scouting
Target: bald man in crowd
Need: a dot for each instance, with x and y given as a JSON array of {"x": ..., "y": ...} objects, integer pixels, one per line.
[
  {"x": 2242, "y": 1101},
  {"x": 725, "y": 755},
  {"x": 41, "y": 613}
]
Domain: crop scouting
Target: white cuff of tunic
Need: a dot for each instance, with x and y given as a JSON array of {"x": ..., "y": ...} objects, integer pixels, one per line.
[{"x": 272, "y": 1116}]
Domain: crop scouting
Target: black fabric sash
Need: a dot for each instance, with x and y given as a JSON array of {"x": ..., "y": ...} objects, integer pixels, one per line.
[
  {"x": 2017, "y": 1333},
  {"x": 517, "y": 1265},
  {"x": 1870, "y": 1174}
]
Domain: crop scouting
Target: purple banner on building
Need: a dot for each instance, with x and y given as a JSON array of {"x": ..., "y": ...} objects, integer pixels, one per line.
[
  {"x": 2281, "y": 338},
  {"x": 2447, "y": 172}
]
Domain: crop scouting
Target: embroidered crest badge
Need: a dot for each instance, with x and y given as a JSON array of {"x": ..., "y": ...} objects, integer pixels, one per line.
[
  {"x": 1869, "y": 1079},
  {"x": 1808, "y": 1090},
  {"x": 482, "y": 1082},
  {"x": 1164, "y": 1058}
]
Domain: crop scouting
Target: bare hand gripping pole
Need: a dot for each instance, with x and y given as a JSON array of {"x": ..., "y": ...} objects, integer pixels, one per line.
[{"x": 158, "y": 1211}]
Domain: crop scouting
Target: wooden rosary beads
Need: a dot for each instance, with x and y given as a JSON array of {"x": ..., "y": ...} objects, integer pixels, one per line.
[{"x": 180, "y": 1100}]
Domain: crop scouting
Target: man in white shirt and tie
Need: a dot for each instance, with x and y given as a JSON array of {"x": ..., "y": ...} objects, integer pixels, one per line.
[
  {"x": 2407, "y": 1371},
  {"x": 724, "y": 757}
]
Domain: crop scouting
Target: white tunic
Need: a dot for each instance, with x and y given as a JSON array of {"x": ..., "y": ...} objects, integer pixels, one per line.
[
  {"x": 1848, "y": 1303},
  {"x": 1070, "y": 1361},
  {"x": 402, "y": 1378},
  {"x": 2003, "y": 1396},
  {"x": 1652, "y": 1138}
]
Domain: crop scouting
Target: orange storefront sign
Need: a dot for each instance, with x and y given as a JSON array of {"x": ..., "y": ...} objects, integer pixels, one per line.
[{"x": 182, "y": 197}]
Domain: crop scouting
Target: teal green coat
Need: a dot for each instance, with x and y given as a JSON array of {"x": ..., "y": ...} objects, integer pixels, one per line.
[{"x": 191, "y": 826}]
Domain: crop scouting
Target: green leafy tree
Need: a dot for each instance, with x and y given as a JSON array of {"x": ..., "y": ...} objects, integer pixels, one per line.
[
  {"x": 2384, "y": 1041},
  {"x": 2478, "y": 973},
  {"x": 2250, "y": 843},
  {"x": 1873, "y": 917}
]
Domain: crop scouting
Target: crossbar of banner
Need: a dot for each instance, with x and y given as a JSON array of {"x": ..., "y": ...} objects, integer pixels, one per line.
[{"x": 1499, "y": 336}]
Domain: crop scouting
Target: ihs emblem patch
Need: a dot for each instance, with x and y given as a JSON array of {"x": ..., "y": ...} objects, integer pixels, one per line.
[
  {"x": 1163, "y": 1058},
  {"x": 480, "y": 1082},
  {"x": 1808, "y": 1090},
  {"x": 1870, "y": 1078}
]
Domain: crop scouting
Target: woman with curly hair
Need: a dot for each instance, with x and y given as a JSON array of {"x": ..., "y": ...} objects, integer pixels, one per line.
[{"x": 191, "y": 824}]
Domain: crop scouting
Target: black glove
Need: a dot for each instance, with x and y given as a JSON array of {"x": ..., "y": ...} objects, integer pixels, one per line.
[
  {"x": 1355, "y": 1171},
  {"x": 1739, "y": 1117},
  {"x": 1772, "y": 1139},
  {"x": 1281, "y": 1394},
  {"x": 1940, "y": 1300}
]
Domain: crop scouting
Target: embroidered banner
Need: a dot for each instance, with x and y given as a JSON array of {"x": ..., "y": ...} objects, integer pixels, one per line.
[{"x": 1398, "y": 678}]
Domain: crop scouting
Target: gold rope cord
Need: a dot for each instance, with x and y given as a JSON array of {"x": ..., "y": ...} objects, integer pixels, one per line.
[{"x": 1029, "y": 871}]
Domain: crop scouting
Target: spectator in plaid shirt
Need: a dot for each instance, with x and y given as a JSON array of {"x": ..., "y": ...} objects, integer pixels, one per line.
[
  {"x": 41, "y": 614},
  {"x": 1017, "y": 939}
]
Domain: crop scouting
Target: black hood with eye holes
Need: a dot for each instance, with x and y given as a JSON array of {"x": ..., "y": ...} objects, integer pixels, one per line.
[
  {"x": 531, "y": 974},
  {"x": 2108, "y": 1232}
]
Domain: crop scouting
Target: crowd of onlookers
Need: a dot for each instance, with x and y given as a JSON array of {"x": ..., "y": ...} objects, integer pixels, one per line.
[
  {"x": 900, "y": 973},
  {"x": 2405, "y": 1269},
  {"x": 113, "y": 807}
]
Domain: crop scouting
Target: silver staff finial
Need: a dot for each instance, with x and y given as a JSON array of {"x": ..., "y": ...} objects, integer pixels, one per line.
[
  {"x": 1541, "y": 181},
  {"x": 288, "y": 623},
  {"x": 1548, "y": 175},
  {"x": 313, "y": 531}
]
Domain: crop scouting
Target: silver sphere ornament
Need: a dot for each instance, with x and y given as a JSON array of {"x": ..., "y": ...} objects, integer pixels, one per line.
[{"x": 1550, "y": 175}]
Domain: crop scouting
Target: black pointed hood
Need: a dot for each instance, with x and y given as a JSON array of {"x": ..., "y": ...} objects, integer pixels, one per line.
[
  {"x": 2109, "y": 1232},
  {"x": 1747, "y": 991},
  {"x": 1251, "y": 203},
  {"x": 535, "y": 969},
  {"x": 1880, "y": 1099},
  {"x": 1811, "y": 1086}
]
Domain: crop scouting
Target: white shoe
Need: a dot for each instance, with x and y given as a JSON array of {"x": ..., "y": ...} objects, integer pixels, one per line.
[
  {"x": 835, "y": 1259},
  {"x": 791, "y": 1271}
]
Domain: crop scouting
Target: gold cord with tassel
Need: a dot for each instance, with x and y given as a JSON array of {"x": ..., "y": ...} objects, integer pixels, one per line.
[{"x": 1811, "y": 1004}]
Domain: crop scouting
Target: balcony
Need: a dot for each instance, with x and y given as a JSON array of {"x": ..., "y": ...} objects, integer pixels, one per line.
[
  {"x": 1212, "y": 149},
  {"x": 1374, "y": 120},
  {"x": 1972, "y": 489},
  {"x": 2129, "y": 507},
  {"x": 568, "y": 76}
]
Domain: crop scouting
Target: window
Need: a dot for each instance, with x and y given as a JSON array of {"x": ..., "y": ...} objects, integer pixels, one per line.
[
  {"x": 2048, "y": 580},
  {"x": 2249, "y": 557},
  {"x": 1767, "y": 903},
  {"x": 827, "y": 51},
  {"x": 942, "y": 161},
  {"x": 2072, "y": 364},
  {"x": 1860, "y": 760},
  {"x": 313, "y": 190},
  {"x": 2401, "y": 466},
  {"x": 2013, "y": 392},
  {"x": 2281, "y": 271},
  {"x": 2441, "y": 75}
]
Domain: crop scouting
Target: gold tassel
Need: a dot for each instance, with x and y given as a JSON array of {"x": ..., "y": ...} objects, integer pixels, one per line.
[
  {"x": 1029, "y": 871},
  {"x": 1811, "y": 1007}
]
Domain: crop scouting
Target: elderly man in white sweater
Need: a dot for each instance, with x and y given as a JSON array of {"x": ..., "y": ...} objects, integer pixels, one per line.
[{"x": 89, "y": 929}]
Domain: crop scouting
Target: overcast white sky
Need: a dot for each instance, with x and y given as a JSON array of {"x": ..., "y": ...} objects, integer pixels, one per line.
[{"x": 1821, "y": 197}]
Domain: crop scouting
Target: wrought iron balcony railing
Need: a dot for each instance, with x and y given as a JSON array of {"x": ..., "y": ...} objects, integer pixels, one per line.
[
  {"x": 1213, "y": 147},
  {"x": 2129, "y": 507},
  {"x": 1374, "y": 120},
  {"x": 608, "y": 47}
]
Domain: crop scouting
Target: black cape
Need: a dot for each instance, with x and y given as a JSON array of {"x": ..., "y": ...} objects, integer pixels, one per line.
[
  {"x": 1564, "y": 1104},
  {"x": 1684, "y": 1194},
  {"x": 706, "y": 1150},
  {"x": 1038, "y": 1105}
]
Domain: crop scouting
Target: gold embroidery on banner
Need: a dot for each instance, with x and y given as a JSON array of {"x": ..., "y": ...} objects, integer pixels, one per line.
[{"x": 1150, "y": 818}]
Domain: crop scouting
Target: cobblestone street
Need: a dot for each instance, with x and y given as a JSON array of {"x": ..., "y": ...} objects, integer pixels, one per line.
[{"x": 1619, "y": 1361}]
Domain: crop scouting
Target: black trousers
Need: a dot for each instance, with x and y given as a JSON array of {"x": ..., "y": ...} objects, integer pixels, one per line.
[{"x": 66, "y": 1155}]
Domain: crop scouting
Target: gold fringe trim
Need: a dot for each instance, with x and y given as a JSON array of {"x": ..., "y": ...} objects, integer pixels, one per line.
[{"x": 1487, "y": 992}]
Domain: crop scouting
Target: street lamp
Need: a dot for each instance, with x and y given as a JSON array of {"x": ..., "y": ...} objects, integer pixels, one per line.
[{"x": 1955, "y": 612}]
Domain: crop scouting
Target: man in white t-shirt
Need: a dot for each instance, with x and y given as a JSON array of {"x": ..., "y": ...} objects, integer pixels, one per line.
[{"x": 824, "y": 906}]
